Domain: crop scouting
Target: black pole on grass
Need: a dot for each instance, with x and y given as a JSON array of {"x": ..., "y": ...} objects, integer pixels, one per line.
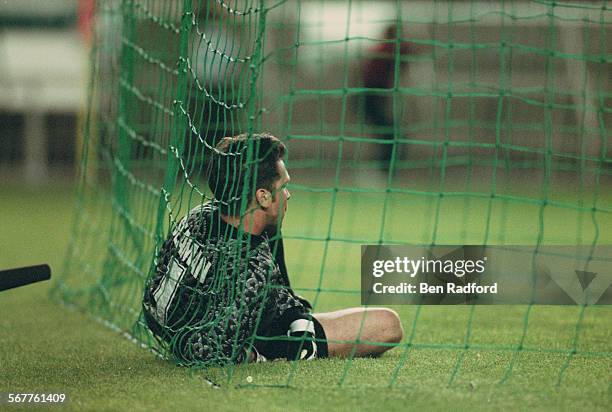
[{"x": 13, "y": 278}]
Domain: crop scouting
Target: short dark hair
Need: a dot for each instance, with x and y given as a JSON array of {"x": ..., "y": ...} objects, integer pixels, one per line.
[{"x": 229, "y": 166}]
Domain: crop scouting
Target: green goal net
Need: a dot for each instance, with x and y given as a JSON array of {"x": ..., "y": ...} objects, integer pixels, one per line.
[{"x": 406, "y": 122}]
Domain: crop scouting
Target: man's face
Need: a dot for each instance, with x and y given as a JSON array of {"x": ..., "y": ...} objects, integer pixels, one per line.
[{"x": 280, "y": 196}]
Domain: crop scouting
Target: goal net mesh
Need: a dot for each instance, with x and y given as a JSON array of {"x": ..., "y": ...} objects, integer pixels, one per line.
[{"x": 406, "y": 122}]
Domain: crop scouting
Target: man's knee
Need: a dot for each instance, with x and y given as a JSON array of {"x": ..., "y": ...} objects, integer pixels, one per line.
[{"x": 391, "y": 326}]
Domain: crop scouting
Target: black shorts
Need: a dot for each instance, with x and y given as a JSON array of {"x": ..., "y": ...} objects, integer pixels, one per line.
[{"x": 277, "y": 349}]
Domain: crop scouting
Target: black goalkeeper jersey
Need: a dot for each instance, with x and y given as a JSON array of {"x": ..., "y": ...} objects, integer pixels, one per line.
[{"x": 215, "y": 287}]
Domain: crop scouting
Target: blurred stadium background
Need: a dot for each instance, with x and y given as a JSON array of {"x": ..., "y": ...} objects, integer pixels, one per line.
[{"x": 45, "y": 67}]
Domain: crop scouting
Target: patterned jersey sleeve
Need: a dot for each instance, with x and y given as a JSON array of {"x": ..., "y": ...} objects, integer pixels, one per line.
[
  {"x": 253, "y": 302},
  {"x": 278, "y": 249}
]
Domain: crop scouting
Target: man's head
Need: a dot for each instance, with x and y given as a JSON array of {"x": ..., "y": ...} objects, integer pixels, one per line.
[{"x": 264, "y": 176}]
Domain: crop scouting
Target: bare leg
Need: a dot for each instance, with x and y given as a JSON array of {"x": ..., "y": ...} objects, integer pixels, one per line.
[{"x": 342, "y": 329}]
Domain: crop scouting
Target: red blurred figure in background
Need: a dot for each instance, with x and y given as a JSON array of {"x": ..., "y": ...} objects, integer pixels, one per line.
[
  {"x": 86, "y": 14},
  {"x": 379, "y": 73}
]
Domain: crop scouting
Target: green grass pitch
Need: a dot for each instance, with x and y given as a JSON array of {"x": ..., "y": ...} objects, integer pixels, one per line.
[{"x": 47, "y": 347}]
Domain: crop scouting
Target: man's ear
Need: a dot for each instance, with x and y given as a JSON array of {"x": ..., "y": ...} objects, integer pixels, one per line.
[{"x": 264, "y": 198}]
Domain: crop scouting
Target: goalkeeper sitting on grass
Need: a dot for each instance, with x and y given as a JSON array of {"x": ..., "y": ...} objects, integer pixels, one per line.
[{"x": 220, "y": 292}]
